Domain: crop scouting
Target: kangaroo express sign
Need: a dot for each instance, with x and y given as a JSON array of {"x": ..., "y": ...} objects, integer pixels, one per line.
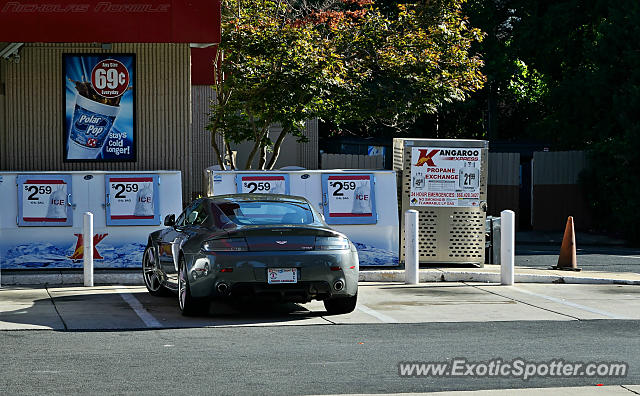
[{"x": 445, "y": 177}]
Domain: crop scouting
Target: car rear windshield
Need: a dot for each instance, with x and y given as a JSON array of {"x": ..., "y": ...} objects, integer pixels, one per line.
[{"x": 264, "y": 213}]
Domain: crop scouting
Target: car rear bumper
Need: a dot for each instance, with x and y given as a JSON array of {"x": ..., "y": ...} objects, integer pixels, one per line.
[{"x": 320, "y": 275}]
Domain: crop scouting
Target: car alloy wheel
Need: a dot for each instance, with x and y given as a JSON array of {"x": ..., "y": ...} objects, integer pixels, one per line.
[
  {"x": 188, "y": 305},
  {"x": 151, "y": 274},
  {"x": 182, "y": 286}
]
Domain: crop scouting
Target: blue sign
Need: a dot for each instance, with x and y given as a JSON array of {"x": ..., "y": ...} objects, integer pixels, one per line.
[{"x": 99, "y": 120}]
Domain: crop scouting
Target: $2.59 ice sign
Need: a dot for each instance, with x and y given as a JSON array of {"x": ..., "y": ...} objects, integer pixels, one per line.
[
  {"x": 110, "y": 78},
  {"x": 44, "y": 200},
  {"x": 262, "y": 184},
  {"x": 132, "y": 200},
  {"x": 349, "y": 199}
]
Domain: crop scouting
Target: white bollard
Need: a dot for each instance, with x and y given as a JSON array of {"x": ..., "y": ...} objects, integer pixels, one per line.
[
  {"x": 411, "y": 263},
  {"x": 507, "y": 246},
  {"x": 87, "y": 248}
]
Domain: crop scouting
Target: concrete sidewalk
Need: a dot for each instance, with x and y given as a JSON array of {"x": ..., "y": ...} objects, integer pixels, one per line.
[
  {"x": 489, "y": 273},
  {"x": 77, "y": 308}
]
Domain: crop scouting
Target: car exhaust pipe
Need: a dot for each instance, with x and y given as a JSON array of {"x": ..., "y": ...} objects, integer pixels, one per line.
[
  {"x": 338, "y": 285},
  {"x": 222, "y": 288}
]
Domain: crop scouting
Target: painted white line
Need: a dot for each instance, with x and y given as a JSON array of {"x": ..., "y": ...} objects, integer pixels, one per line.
[
  {"x": 635, "y": 257},
  {"x": 571, "y": 304},
  {"x": 380, "y": 316},
  {"x": 142, "y": 313}
]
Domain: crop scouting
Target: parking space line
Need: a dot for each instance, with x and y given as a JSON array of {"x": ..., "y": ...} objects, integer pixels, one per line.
[
  {"x": 572, "y": 304},
  {"x": 137, "y": 307},
  {"x": 380, "y": 316}
]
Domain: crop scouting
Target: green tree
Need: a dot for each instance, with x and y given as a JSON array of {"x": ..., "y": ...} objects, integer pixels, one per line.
[
  {"x": 403, "y": 61},
  {"x": 345, "y": 61},
  {"x": 271, "y": 68}
]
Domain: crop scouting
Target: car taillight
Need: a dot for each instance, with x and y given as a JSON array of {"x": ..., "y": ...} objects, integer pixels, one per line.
[
  {"x": 332, "y": 243},
  {"x": 225, "y": 245}
]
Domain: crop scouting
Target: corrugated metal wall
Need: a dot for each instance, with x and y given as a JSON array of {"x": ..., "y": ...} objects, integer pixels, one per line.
[
  {"x": 351, "y": 161},
  {"x": 504, "y": 169},
  {"x": 34, "y": 109},
  {"x": 308, "y": 152},
  {"x": 203, "y": 155},
  {"x": 556, "y": 191},
  {"x": 558, "y": 167},
  {"x": 503, "y": 191},
  {"x": 3, "y": 118}
]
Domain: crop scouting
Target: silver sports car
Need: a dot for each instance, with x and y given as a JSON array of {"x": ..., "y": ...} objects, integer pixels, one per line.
[{"x": 251, "y": 246}]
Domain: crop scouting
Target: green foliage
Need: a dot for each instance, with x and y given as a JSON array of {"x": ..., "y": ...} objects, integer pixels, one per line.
[
  {"x": 346, "y": 61},
  {"x": 611, "y": 184},
  {"x": 527, "y": 85},
  {"x": 273, "y": 71},
  {"x": 403, "y": 61},
  {"x": 588, "y": 53}
]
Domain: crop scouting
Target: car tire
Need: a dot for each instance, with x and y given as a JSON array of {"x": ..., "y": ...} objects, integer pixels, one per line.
[
  {"x": 151, "y": 274},
  {"x": 188, "y": 305},
  {"x": 340, "y": 305}
]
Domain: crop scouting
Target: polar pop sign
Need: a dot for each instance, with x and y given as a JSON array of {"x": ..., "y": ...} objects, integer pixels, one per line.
[
  {"x": 445, "y": 177},
  {"x": 110, "y": 78}
]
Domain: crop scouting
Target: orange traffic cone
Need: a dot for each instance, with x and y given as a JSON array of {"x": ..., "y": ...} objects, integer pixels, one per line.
[{"x": 567, "y": 259}]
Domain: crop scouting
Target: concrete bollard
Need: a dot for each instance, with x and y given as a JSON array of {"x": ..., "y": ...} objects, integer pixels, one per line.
[
  {"x": 87, "y": 248},
  {"x": 507, "y": 246},
  {"x": 411, "y": 263}
]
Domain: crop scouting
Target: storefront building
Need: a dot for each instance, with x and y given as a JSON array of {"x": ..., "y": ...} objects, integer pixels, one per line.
[{"x": 137, "y": 55}]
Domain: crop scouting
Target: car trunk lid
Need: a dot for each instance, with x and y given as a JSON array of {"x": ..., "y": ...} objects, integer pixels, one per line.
[{"x": 260, "y": 238}]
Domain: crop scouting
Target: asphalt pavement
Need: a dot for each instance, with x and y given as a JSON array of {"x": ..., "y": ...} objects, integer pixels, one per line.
[
  {"x": 595, "y": 252},
  {"x": 121, "y": 340},
  {"x": 303, "y": 360},
  {"x": 118, "y": 339}
]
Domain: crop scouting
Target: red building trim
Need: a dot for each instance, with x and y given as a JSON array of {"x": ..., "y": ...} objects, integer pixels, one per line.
[{"x": 110, "y": 21}]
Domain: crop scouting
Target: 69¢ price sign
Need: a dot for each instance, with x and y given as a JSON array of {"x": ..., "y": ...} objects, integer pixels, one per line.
[
  {"x": 44, "y": 200},
  {"x": 259, "y": 184},
  {"x": 110, "y": 78},
  {"x": 349, "y": 199},
  {"x": 131, "y": 200}
]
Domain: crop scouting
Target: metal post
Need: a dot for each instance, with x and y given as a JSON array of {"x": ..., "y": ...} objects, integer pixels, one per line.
[
  {"x": 87, "y": 248},
  {"x": 507, "y": 246},
  {"x": 411, "y": 264}
]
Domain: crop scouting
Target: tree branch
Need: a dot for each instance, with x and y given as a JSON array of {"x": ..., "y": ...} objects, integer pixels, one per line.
[{"x": 276, "y": 147}]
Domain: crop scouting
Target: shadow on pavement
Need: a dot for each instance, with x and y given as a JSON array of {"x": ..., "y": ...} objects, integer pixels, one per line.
[{"x": 104, "y": 309}]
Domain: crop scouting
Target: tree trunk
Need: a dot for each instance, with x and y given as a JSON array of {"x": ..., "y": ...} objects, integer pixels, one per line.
[
  {"x": 276, "y": 148},
  {"x": 263, "y": 157},
  {"x": 232, "y": 159},
  {"x": 216, "y": 149},
  {"x": 259, "y": 137}
]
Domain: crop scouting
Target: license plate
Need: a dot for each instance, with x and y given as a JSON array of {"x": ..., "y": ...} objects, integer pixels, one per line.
[{"x": 282, "y": 275}]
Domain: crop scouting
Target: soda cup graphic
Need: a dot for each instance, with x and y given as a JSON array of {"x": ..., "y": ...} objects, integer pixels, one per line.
[
  {"x": 144, "y": 202},
  {"x": 57, "y": 205},
  {"x": 90, "y": 126}
]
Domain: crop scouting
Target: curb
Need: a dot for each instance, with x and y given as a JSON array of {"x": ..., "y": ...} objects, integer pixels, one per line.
[
  {"x": 133, "y": 278},
  {"x": 487, "y": 277},
  {"x": 71, "y": 278}
]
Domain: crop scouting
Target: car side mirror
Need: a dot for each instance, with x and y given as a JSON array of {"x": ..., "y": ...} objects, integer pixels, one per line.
[{"x": 170, "y": 220}]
